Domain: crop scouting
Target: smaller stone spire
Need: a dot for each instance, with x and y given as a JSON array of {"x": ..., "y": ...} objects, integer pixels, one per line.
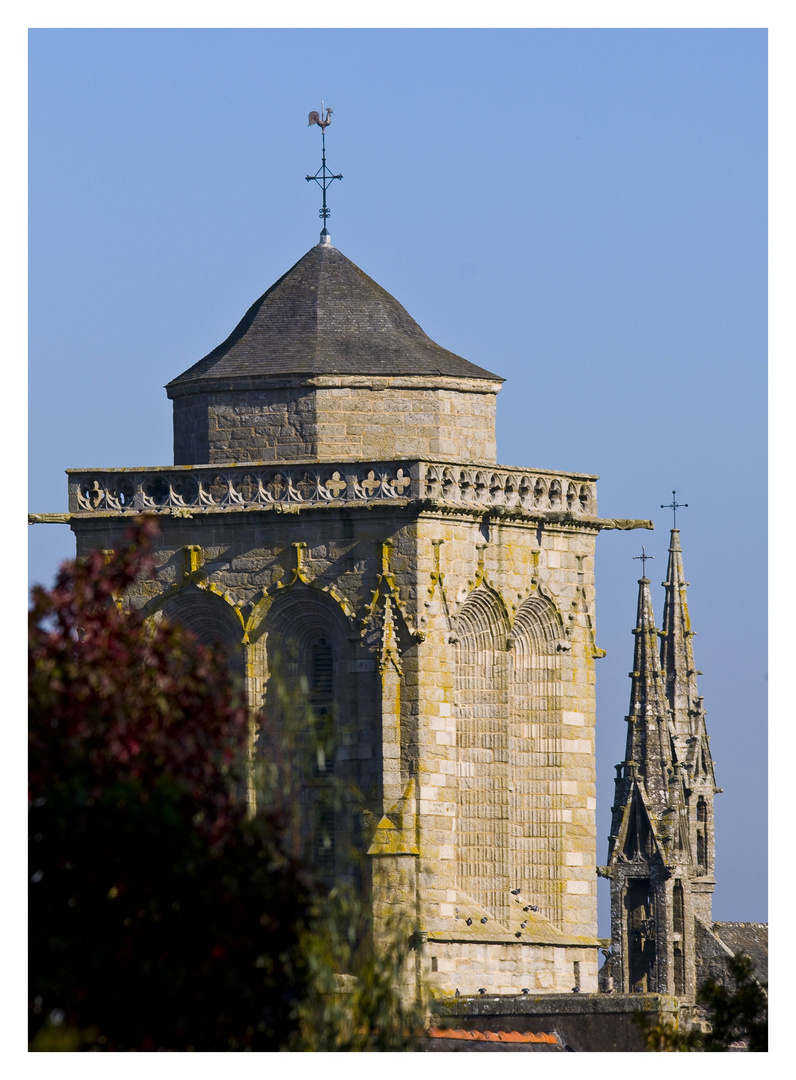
[
  {"x": 692, "y": 741},
  {"x": 648, "y": 734},
  {"x": 661, "y": 846},
  {"x": 677, "y": 654}
]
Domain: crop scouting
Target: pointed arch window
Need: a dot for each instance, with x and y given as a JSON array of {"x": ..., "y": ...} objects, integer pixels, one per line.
[
  {"x": 639, "y": 903},
  {"x": 702, "y": 851},
  {"x": 678, "y": 948},
  {"x": 211, "y": 620},
  {"x": 702, "y": 834},
  {"x": 311, "y": 704}
]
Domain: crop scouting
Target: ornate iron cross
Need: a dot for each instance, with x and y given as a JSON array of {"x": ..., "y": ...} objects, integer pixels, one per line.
[
  {"x": 643, "y": 556},
  {"x": 674, "y": 506},
  {"x": 323, "y": 177}
]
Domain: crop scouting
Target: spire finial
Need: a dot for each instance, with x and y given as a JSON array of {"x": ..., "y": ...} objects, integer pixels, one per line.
[
  {"x": 323, "y": 177},
  {"x": 643, "y": 556},
  {"x": 674, "y": 506}
]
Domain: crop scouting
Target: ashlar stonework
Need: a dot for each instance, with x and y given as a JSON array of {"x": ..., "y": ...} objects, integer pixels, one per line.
[{"x": 335, "y": 515}]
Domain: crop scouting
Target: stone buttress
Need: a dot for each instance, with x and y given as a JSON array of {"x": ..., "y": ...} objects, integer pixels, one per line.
[{"x": 415, "y": 622}]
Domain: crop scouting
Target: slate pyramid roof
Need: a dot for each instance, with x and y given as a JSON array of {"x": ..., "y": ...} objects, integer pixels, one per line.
[{"x": 325, "y": 316}]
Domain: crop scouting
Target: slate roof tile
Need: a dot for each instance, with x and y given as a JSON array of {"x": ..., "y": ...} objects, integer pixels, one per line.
[
  {"x": 325, "y": 316},
  {"x": 749, "y": 938}
]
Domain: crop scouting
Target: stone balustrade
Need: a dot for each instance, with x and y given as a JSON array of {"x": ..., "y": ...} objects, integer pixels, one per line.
[{"x": 248, "y": 487}]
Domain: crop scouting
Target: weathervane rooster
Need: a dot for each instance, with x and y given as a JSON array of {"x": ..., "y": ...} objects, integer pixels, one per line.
[
  {"x": 317, "y": 118},
  {"x": 323, "y": 177}
]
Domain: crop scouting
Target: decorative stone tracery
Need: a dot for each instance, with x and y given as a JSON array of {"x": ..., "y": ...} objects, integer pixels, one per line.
[
  {"x": 482, "y": 702},
  {"x": 537, "y": 760},
  {"x": 252, "y": 487}
]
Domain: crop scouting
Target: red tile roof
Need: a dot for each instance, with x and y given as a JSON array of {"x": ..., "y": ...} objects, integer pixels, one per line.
[{"x": 493, "y": 1036}]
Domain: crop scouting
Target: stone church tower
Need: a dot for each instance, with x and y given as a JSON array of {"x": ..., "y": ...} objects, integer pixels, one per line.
[
  {"x": 336, "y": 518},
  {"x": 661, "y": 848}
]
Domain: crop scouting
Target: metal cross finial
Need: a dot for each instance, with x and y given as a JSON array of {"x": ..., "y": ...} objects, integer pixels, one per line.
[
  {"x": 643, "y": 556},
  {"x": 323, "y": 177},
  {"x": 674, "y": 506}
]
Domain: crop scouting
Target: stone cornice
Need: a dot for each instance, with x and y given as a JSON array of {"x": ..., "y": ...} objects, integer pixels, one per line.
[
  {"x": 415, "y": 506},
  {"x": 504, "y": 938},
  {"x": 334, "y": 382}
]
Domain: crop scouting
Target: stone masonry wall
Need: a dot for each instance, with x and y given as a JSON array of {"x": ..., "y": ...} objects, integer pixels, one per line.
[
  {"x": 398, "y": 421},
  {"x": 508, "y": 968},
  {"x": 254, "y": 425},
  {"x": 371, "y": 575},
  {"x": 331, "y": 423},
  {"x": 548, "y": 826}
]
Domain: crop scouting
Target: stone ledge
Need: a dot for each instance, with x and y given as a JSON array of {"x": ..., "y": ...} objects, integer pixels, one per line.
[
  {"x": 552, "y": 1004},
  {"x": 217, "y": 385}
]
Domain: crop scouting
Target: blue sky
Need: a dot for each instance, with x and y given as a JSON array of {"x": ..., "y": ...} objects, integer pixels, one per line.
[{"x": 581, "y": 211}]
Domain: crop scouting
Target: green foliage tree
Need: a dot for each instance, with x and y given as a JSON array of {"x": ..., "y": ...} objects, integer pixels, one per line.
[
  {"x": 665, "y": 1035},
  {"x": 737, "y": 1014},
  {"x": 362, "y": 994}
]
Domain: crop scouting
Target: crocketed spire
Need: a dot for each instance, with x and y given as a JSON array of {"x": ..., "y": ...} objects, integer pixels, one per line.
[
  {"x": 677, "y": 654},
  {"x": 648, "y": 734},
  {"x": 661, "y": 846}
]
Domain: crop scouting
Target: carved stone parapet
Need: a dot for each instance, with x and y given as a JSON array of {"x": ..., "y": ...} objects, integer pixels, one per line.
[
  {"x": 484, "y": 486},
  {"x": 199, "y": 488}
]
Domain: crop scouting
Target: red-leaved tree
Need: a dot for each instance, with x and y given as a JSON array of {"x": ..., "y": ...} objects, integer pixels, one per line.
[{"x": 162, "y": 916}]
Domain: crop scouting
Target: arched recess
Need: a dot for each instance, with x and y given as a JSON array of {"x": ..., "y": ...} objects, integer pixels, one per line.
[
  {"x": 311, "y": 723},
  {"x": 481, "y": 692},
  {"x": 539, "y": 787},
  {"x": 212, "y": 620}
]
